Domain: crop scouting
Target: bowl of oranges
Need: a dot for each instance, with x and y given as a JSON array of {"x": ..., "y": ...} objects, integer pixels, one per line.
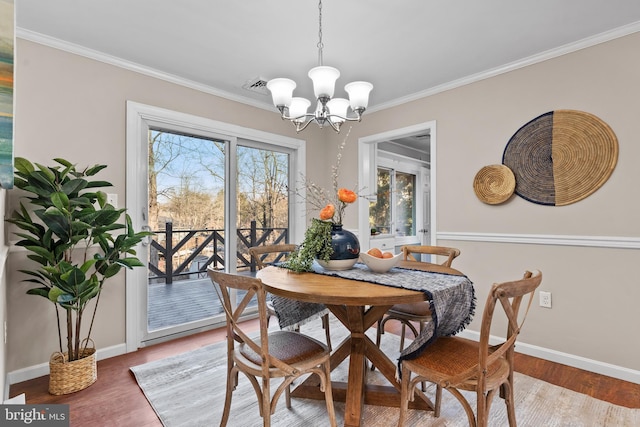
[{"x": 379, "y": 261}]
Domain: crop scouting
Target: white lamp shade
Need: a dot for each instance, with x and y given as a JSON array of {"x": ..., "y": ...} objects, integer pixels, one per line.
[
  {"x": 324, "y": 80},
  {"x": 298, "y": 109},
  {"x": 281, "y": 91},
  {"x": 358, "y": 94},
  {"x": 338, "y": 106}
]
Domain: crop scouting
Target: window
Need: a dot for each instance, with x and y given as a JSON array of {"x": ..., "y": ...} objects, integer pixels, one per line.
[
  {"x": 405, "y": 204},
  {"x": 394, "y": 210}
]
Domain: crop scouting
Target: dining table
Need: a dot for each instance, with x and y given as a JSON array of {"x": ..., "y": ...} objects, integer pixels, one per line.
[{"x": 358, "y": 305}]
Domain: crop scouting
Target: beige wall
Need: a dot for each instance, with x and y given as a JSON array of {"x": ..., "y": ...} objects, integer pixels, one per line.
[
  {"x": 74, "y": 107},
  {"x": 595, "y": 289}
]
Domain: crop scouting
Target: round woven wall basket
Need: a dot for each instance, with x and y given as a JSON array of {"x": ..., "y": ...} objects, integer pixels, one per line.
[
  {"x": 68, "y": 377},
  {"x": 494, "y": 184},
  {"x": 561, "y": 157}
]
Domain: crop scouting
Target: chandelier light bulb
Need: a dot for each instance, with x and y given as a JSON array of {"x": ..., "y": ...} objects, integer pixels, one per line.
[
  {"x": 281, "y": 91},
  {"x": 298, "y": 109},
  {"x": 338, "y": 108},
  {"x": 358, "y": 94},
  {"x": 324, "y": 81}
]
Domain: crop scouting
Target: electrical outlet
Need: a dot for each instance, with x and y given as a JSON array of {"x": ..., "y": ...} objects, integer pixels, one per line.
[
  {"x": 545, "y": 299},
  {"x": 112, "y": 199}
]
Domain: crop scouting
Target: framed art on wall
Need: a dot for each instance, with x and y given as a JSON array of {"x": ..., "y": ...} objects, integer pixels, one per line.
[{"x": 7, "y": 38}]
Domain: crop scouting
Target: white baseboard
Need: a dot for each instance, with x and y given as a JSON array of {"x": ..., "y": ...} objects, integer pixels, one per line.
[
  {"x": 42, "y": 369},
  {"x": 579, "y": 362}
]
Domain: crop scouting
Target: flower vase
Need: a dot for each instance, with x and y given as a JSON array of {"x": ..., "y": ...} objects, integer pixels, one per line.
[{"x": 346, "y": 249}]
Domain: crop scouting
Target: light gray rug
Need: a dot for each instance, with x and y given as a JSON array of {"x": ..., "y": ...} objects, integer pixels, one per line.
[{"x": 189, "y": 389}]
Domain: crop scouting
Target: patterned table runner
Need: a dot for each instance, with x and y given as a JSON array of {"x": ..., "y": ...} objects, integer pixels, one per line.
[{"x": 451, "y": 298}]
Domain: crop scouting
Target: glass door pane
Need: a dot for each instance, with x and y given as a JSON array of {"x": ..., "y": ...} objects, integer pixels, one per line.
[
  {"x": 405, "y": 204},
  {"x": 380, "y": 215},
  {"x": 262, "y": 201},
  {"x": 186, "y": 213}
]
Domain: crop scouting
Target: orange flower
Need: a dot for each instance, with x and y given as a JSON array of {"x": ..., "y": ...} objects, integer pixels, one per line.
[
  {"x": 346, "y": 196},
  {"x": 327, "y": 212}
]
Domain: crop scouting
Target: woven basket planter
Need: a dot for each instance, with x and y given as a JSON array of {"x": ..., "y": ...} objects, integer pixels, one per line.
[{"x": 68, "y": 377}]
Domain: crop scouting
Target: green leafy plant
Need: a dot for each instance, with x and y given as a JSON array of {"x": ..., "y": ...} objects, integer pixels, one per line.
[
  {"x": 70, "y": 234},
  {"x": 316, "y": 245}
]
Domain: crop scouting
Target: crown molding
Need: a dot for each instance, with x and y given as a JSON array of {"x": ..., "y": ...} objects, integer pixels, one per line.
[
  {"x": 132, "y": 66},
  {"x": 521, "y": 63},
  {"x": 524, "y": 62}
]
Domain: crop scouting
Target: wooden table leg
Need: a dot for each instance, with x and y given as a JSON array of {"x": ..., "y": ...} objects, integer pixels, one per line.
[
  {"x": 356, "y": 383},
  {"x": 358, "y": 347}
]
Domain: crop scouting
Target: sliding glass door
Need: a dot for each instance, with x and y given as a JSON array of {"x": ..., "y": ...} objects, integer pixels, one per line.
[{"x": 208, "y": 198}]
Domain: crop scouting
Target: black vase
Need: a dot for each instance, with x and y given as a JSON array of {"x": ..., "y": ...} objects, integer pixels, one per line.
[
  {"x": 345, "y": 243},
  {"x": 346, "y": 249}
]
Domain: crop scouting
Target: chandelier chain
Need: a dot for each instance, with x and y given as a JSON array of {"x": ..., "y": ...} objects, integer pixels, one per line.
[{"x": 320, "y": 44}]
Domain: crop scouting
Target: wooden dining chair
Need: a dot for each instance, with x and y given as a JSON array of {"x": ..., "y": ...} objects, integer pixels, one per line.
[
  {"x": 271, "y": 254},
  {"x": 418, "y": 311},
  {"x": 456, "y": 364},
  {"x": 280, "y": 354}
]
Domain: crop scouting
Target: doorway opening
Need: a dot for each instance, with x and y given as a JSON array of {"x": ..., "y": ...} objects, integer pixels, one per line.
[{"x": 397, "y": 170}]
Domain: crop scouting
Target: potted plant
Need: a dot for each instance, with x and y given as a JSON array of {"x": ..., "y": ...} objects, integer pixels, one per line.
[
  {"x": 73, "y": 236},
  {"x": 325, "y": 240},
  {"x": 316, "y": 245}
]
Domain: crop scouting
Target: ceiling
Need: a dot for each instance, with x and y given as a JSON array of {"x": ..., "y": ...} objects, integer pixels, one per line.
[{"x": 406, "y": 48}]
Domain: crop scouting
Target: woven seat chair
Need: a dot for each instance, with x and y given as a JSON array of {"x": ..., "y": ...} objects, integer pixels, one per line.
[
  {"x": 271, "y": 254},
  {"x": 418, "y": 311},
  {"x": 280, "y": 354},
  {"x": 456, "y": 364}
]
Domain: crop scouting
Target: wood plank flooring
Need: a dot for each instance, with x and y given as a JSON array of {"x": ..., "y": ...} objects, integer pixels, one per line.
[{"x": 116, "y": 400}]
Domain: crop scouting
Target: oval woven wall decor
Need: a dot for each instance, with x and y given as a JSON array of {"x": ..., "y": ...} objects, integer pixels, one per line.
[
  {"x": 561, "y": 157},
  {"x": 494, "y": 184}
]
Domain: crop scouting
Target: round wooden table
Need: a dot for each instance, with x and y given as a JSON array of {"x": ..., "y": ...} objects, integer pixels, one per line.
[{"x": 358, "y": 305}]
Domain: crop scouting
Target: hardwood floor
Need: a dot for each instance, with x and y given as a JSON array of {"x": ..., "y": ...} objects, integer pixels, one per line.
[{"x": 116, "y": 400}]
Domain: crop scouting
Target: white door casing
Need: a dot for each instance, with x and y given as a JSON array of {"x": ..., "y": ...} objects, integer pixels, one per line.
[{"x": 368, "y": 160}]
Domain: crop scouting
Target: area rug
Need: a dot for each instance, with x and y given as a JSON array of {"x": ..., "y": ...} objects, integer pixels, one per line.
[{"x": 189, "y": 390}]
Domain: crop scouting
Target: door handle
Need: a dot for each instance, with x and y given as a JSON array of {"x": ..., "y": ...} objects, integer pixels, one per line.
[{"x": 147, "y": 240}]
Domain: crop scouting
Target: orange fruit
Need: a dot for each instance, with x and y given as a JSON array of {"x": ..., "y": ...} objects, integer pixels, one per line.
[
  {"x": 375, "y": 252},
  {"x": 387, "y": 255}
]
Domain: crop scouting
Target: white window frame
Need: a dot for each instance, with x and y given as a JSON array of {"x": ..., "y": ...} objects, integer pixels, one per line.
[
  {"x": 139, "y": 118},
  {"x": 396, "y": 164}
]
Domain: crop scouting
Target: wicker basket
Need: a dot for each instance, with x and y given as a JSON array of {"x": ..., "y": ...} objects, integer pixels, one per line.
[
  {"x": 494, "y": 184},
  {"x": 68, "y": 377}
]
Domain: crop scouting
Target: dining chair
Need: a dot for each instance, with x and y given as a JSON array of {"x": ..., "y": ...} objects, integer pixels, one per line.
[
  {"x": 271, "y": 254},
  {"x": 279, "y": 354},
  {"x": 418, "y": 311},
  {"x": 456, "y": 364}
]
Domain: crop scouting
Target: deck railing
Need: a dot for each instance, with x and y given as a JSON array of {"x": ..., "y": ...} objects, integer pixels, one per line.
[{"x": 186, "y": 254}]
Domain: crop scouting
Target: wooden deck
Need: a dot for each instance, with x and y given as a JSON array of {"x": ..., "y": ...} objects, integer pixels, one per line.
[{"x": 182, "y": 301}]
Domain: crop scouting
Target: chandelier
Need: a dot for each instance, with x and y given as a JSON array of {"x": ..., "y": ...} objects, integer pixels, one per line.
[{"x": 333, "y": 111}]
